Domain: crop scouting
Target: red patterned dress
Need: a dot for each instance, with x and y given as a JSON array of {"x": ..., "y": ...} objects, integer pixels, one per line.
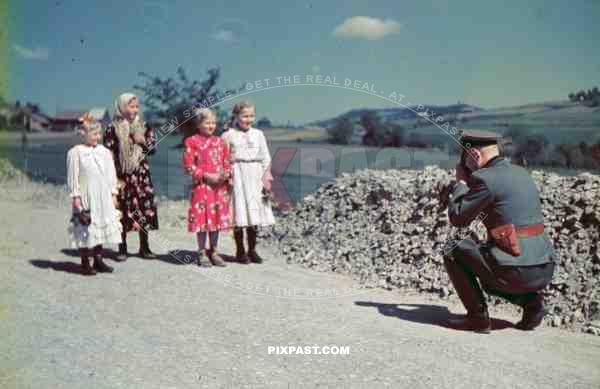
[{"x": 209, "y": 204}]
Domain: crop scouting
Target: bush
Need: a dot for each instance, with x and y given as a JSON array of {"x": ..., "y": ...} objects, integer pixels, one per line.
[{"x": 341, "y": 132}]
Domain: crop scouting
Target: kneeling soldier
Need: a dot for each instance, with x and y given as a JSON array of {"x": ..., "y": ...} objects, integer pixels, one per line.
[{"x": 517, "y": 261}]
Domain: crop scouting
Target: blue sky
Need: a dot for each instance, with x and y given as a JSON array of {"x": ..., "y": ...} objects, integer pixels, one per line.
[{"x": 487, "y": 53}]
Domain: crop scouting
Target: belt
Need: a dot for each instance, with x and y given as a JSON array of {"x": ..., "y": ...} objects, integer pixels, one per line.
[
  {"x": 530, "y": 230},
  {"x": 247, "y": 160}
]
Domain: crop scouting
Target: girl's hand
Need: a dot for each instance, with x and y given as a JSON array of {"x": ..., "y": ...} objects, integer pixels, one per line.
[
  {"x": 115, "y": 202},
  {"x": 76, "y": 203},
  {"x": 139, "y": 138},
  {"x": 268, "y": 181}
]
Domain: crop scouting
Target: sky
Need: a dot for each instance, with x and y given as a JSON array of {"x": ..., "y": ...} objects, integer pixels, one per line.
[{"x": 77, "y": 54}]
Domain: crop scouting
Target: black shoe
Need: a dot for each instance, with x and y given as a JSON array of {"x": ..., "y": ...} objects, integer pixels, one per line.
[
  {"x": 242, "y": 258},
  {"x": 145, "y": 253},
  {"x": 480, "y": 324},
  {"x": 122, "y": 255},
  {"x": 101, "y": 266},
  {"x": 533, "y": 315},
  {"x": 254, "y": 257},
  {"x": 86, "y": 268}
]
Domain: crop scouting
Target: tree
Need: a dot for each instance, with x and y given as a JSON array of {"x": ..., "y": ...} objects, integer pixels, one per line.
[
  {"x": 591, "y": 98},
  {"x": 170, "y": 100},
  {"x": 341, "y": 132},
  {"x": 264, "y": 122}
]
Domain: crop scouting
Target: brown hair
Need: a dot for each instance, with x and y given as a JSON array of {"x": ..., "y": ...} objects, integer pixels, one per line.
[{"x": 238, "y": 108}]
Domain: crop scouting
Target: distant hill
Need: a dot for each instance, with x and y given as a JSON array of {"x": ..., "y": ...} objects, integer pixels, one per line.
[
  {"x": 555, "y": 115},
  {"x": 400, "y": 114}
]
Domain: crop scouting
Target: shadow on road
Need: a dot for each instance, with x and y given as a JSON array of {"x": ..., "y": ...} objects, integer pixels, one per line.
[
  {"x": 187, "y": 257},
  {"x": 70, "y": 252},
  {"x": 67, "y": 267},
  {"x": 425, "y": 314}
]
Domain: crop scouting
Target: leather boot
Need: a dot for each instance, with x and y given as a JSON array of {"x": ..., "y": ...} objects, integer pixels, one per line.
[
  {"x": 122, "y": 255},
  {"x": 240, "y": 251},
  {"x": 145, "y": 246},
  {"x": 99, "y": 264},
  {"x": 470, "y": 294},
  {"x": 254, "y": 257},
  {"x": 533, "y": 313},
  {"x": 86, "y": 268}
]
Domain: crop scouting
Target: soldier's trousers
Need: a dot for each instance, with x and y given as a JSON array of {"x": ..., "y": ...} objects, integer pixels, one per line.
[{"x": 471, "y": 269}]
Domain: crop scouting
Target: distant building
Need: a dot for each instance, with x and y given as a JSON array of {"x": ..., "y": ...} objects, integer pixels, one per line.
[
  {"x": 28, "y": 117},
  {"x": 68, "y": 121}
]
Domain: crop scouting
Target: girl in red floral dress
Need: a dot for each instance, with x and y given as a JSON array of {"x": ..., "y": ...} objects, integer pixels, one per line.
[{"x": 206, "y": 159}]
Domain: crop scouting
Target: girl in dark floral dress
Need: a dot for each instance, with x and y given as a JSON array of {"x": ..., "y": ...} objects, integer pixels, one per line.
[{"x": 130, "y": 141}]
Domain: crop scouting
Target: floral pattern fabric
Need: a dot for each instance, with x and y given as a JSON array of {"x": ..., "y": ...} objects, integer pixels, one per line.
[
  {"x": 136, "y": 191},
  {"x": 209, "y": 204}
]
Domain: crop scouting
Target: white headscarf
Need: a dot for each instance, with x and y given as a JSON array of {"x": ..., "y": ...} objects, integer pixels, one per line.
[{"x": 130, "y": 153}]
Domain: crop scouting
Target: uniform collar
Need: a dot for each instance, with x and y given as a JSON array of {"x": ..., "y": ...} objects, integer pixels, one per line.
[{"x": 497, "y": 160}]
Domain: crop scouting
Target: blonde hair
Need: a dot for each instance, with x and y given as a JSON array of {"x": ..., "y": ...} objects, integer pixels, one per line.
[
  {"x": 238, "y": 108},
  {"x": 201, "y": 115}
]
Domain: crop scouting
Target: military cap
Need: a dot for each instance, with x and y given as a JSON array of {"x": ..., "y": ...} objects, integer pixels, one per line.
[{"x": 474, "y": 138}]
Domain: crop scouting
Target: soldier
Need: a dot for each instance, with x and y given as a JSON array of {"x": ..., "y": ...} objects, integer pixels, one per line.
[{"x": 517, "y": 261}]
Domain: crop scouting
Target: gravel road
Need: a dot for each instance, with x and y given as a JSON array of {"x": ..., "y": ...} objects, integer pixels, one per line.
[{"x": 166, "y": 324}]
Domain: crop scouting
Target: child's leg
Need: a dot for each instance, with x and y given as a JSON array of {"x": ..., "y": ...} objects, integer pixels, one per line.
[
  {"x": 201, "y": 238},
  {"x": 252, "y": 232},
  {"x": 98, "y": 262},
  {"x": 238, "y": 235},
  {"x": 122, "y": 256},
  {"x": 214, "y": 239},
  {"x": 215, "y": 258},
  {"x": 202, "y": 258},
  {"x": 86, "y": 268}
]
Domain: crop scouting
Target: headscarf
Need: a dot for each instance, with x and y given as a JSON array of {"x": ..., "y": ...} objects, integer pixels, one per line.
[{"x": 130, "y": 153}]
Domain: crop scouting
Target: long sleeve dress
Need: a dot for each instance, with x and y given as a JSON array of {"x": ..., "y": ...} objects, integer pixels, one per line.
[
  {"x": 250, "y": 161},
  {"x": 136, "y": 194},
  {"x": 209, "y": 204},
  {"x": 91, "y": 176}
]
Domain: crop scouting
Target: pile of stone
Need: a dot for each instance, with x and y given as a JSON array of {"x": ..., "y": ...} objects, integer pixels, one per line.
[{"x": 387, "y": 229}]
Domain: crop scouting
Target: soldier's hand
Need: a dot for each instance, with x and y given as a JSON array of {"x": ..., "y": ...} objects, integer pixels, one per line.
[{"x": 461, "y": 173}]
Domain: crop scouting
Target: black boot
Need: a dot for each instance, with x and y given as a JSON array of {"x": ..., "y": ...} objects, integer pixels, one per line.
[
  {"x": 99, "y": 263},
  {"x": 145, "y": 246},
  {"x": 470, "y": 294},
  {"x": 254, "y": 257},
  {"x": 86, "y": 268},
  {"x": 122, "y": 255},
  {"x": 533, "y": 313},
  {"x": 240, "y": 251}
]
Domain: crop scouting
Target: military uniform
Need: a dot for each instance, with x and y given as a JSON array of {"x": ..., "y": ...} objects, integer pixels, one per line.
[{"x": 517, "y": 260}]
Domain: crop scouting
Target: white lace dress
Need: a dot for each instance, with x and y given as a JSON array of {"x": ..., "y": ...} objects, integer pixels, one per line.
[
  {"x": 250, "y": 160},
  {"x": 91, "y": 176}
]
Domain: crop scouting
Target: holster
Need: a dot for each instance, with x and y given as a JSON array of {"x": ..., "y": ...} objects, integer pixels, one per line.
[{"x": 506, "y": 236}]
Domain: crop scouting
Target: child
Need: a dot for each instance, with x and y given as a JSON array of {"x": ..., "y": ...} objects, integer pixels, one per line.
[
  {"x": 251, "y": 180},
  {"x": 92, "y": 184},
  {"x": 130, "y": 141},
  {"x": 206, "y": 159}
]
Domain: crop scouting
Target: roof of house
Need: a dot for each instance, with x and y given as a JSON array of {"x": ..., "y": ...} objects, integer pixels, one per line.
[
  {"x": 69, "y": 115},
  {"x": 97, "y": 113}
]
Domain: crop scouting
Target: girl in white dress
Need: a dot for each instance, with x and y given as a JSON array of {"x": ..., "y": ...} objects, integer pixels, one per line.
[
  {"x": 92, "y": 184},
  {"x": 251, "y": 180}
]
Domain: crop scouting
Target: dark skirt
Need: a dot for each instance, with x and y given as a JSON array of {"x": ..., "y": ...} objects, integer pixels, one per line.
[{"x": 136, "y": 200}]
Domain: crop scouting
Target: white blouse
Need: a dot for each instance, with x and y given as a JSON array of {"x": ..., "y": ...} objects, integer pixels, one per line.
[
  {"x": 250, "y": 145},
  {"x": 90, "y": 166}
]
